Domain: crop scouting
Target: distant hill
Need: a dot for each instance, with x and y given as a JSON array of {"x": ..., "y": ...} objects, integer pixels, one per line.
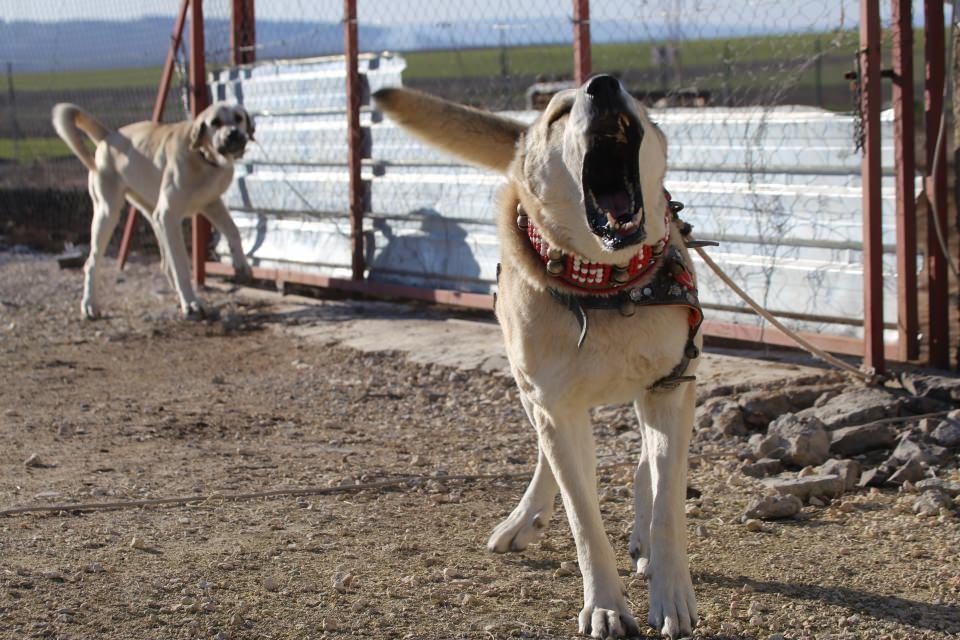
[{"x": 90, "y": 44}]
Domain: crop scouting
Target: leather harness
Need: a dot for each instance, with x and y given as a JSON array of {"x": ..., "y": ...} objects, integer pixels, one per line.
[{"x": 656, "y": 275}]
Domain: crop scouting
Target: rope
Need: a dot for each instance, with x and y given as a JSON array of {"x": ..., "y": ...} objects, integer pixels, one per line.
[{"x": 867, "y": 376}]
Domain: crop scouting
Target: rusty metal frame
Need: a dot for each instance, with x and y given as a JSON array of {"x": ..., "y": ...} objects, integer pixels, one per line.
[
  {"x": 243, "y": 32},
  {"x": 199, "y": 100},
  {"x": 908, "y": 322},
  {"x": 870, "y": 97},
  {"x": 582, "y": 59},
  {"x": 354, "y": 138},
  {"x": 163, "y": 90},
  {"x": 872, "y": 347},
  {"x": 935, "y": 186}
]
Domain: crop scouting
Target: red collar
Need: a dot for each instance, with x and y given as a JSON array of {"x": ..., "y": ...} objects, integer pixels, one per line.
[{"x": 594, "y": 277}]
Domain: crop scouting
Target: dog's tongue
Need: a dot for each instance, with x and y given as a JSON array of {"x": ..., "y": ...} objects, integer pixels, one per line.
[{"x": 616, "y": 204}]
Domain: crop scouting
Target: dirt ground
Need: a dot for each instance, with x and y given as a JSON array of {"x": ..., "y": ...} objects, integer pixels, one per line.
[{"x": 141, "y": 405}]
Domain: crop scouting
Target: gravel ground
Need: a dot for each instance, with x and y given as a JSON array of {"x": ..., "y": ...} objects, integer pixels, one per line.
[{"x": 141, "y": 405}]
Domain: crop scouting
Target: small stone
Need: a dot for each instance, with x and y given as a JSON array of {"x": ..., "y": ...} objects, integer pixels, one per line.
[
  {"x": 329, "y": 625},
  {"x": 806, "y": 471},
  {"x": 753, "y": 525},
  {"x": 816, "y": 502},
  {"x": 468, "y": 600},
  {"x": 848, "y": 470},
  {"x": 816, "y": 485},
  {"x": 33, "y": 461},
  {"x": 54, "y": 575},
  {"x": 270, "y": 584},
  {"x": 760, "y": 407},
  {"x": 874, "y": 477},
  {"x": 701, "y": 531},
  {"x": 807, "y": 442},
  {"x": 566, "y": 569},
  {"x": 774, "y": 507},
  {"x": 137, "y": 543},
  {"x": 762, "y": 468},
  {"x": 341, "y": 581},
  {"x": 947, "y": 434},
  {"x": 930, "y": 503}
]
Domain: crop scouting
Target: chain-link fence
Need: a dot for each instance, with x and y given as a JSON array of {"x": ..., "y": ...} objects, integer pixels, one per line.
[{"x": 751, "y": 94}]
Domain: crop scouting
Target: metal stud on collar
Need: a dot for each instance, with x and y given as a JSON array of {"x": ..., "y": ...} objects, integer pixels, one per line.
[
  {"x": 619, "y": 274},
  {"x": 522, "y": 219}
]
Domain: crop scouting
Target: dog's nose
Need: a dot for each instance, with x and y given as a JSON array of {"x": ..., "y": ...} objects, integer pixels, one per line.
[
  {"x": 604, "y": 89},
  {"x": 234, "y": 134}
]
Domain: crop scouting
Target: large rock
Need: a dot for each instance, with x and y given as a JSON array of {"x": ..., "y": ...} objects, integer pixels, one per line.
[
  {"x": 942, "y": 388},
  {"x": 910, "y": 471},
  {"x": 929, "y": 503},
  {"x": 806, "y": 441},
  {"x": 947, "y": 433},
  {"x": 723, "y": 416},
  {"x": 848, "y": 470},
  {"x": 774, "y": 507},
  {"x": 909, "y": 447},
  {"x": 768, "y": 446},
  {"x": 858, "y": 406},
  {"x": 850, "y": 441},
  {"x": 760, "y": 407},
  {"x": 815, "y": 485}
]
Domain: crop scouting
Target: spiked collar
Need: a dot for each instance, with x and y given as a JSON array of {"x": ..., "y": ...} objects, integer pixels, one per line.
[{"x": 595, "y": 278}]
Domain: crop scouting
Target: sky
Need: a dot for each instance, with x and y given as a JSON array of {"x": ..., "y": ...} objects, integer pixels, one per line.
[{"x": 801, "y": 12}]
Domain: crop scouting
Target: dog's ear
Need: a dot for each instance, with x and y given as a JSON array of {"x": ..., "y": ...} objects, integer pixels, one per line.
[
  {"x": 476, "y": 136},
  {"x": 251, "y": 126},
  {"x": 197, "y": 133}
]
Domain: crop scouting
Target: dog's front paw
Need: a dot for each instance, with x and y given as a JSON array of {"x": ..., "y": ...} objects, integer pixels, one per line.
[
  {"x": 89, "y": 311},
  {"x": 193, "y": 310},
  {"x": 242, "y": 273},
  {"x": 520, "y": 528},
  {"x": 608, "y": 620},
  {"x": 673, "y": 606}
]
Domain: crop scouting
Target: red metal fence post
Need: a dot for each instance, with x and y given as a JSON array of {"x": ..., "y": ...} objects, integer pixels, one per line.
[
  {"x": 870, "y": 92},
  {"x": 935, "y": 186},
  {"x": 199, "y": 100},
  {"x": 162, "y": 91},
  {"x": 903, "y": 139},
  {"x": 581, "y": 41},
  {"x": 243, "y": 32},
  {"x": 354, "y": 137}
]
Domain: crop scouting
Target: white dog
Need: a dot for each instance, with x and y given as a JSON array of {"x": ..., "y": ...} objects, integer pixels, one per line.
[
  {"x": 168, "y": 172},
  {"x": 598, "y": 305}
]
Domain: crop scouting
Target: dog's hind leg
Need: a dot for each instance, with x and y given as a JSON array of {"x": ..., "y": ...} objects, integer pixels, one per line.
[
  {"x": 566, "y": 441},
  {"x": 218, "y": 214},
  {"x": 642, "y": 507},
  {"x": 529, "y": 520},
  {"x": 107, "y": 198},
  {"x": 668, "y": 422}
]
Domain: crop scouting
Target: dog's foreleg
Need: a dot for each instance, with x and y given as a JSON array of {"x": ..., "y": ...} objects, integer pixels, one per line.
[
  {"x": 668, "y": 423},
  {"x": 167, "y": 219},
  {"x": 219, "y": 215},
  {"x": 642, "y": 507},
  {"x": 566, "y": 441},
  {"x": 107, "y": 205}
]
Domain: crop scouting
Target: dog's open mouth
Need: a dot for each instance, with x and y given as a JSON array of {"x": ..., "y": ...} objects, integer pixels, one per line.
[{"x": 611, "y": 180}]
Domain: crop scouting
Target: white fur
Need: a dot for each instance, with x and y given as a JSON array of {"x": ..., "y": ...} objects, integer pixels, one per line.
[{"x": 169, "y": 173}]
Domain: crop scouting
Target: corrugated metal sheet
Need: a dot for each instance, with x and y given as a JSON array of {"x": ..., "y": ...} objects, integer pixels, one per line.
[{"x": 779, "y": 187}]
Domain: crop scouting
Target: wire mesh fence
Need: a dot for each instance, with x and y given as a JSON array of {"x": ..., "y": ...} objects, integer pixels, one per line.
[{"x": 751, "y": 94}]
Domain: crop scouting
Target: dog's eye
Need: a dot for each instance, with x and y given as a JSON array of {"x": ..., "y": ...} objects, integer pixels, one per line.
[
  {"x": 239, "y": 117},
  {"x": 216, "y": 122}
]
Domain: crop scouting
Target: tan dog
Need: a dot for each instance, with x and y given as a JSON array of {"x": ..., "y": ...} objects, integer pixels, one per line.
[
  {"x": 588, "y": 242},
  {"x": 169, "y": 172}
]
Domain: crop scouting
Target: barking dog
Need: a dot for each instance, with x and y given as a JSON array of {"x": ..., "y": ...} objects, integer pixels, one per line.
[
  {"x": 597, "y": 301},
  {"x": 167, "y": 171}
]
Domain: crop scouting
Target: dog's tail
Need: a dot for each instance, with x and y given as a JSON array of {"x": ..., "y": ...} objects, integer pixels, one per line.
[
  {"x": 479, "y": 137},
  {"x": 69, "y": 120}
]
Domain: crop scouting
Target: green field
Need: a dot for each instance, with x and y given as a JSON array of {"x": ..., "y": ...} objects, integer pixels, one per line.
[
  {"x": 28, "y": 150},
  {"x": 531, "y": 60}
]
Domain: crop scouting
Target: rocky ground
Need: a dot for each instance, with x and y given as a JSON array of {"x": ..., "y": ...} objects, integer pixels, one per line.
[{"x": 822, "y": 510}]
